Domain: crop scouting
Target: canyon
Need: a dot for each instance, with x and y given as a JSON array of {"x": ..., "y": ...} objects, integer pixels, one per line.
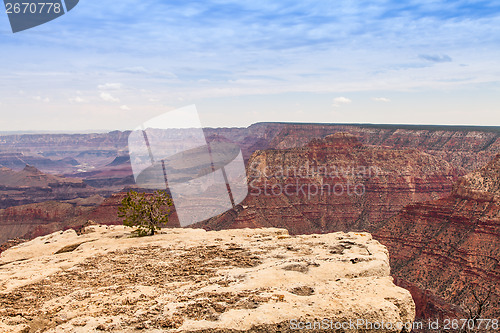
[
  {"x": 467, "y": 147},
  {"x": 33, "y": 203},
  {"x": 421, "y": 191},
  {"x": 30, "y": 185}
]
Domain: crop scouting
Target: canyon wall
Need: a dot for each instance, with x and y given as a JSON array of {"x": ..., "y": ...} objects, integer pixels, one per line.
[
  {"x": 450, "y": 247},
  {"x": 30, "y": 185},
  {"x": 468, "y": 148},
  {"x": 335, "y": 184},
  {"x": 33, "y": 220}
]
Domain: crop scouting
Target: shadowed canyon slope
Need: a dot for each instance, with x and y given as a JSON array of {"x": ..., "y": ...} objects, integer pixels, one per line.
[
  {"x": 33, "y": 220},
  {"x": 450, "y": 247}
]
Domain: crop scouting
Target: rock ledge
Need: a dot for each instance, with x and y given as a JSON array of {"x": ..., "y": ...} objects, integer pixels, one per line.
[{"x": 190, "y": 280}]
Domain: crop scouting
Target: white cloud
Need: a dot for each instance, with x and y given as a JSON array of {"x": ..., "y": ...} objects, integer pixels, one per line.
[
  {"x": 339, "y": 101},
  {"x": 125, "y": 108},
  {"x": 77, "y": 99},
  {"x": 42, "y": 99},
  {"x": 109, "y": 98},
  {"x": 110, "y": 86},
  {"x": 381, "y": 99}
]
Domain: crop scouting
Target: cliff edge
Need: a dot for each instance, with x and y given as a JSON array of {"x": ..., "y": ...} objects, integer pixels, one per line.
[{"x": 191, "y": 280}]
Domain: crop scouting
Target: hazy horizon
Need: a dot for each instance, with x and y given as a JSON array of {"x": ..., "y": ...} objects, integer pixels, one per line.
[{"x": 372, "y": 125}]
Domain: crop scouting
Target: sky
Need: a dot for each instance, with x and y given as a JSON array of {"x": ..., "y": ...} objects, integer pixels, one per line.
[{"x": 114, "y": 65}]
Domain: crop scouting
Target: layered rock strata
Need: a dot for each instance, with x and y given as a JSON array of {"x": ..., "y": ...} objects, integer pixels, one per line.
[
  {"x": 335, "y": 184},
  {"x": 449, "y": 248},
  {"x": 30, "y": 185}
]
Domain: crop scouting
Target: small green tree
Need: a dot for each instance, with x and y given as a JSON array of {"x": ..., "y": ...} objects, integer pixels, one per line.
[{"x": 147, "y": 212}]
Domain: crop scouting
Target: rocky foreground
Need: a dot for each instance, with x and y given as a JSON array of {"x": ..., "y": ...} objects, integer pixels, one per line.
[{"x": 190, "y": 280}]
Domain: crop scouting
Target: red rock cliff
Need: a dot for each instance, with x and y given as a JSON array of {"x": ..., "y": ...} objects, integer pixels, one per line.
[
  {"x": 335, "y": 184},
  {"x": 450, "y": 247}
]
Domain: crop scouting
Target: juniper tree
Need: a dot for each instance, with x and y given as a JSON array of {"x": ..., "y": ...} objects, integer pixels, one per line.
[{"x": 147, "y": 212}]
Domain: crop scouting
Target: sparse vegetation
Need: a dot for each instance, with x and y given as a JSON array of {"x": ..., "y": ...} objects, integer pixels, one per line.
[
  {"x": 147, "y": 212},
  {"x": 477, "y": 307}
]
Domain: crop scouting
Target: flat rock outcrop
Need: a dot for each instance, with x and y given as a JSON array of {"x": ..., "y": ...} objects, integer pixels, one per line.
[{"x": 191, "y": 280}]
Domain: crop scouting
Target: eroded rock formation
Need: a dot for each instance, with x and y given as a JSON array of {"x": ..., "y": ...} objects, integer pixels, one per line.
[
  {"x": 33, "y": 220},
  {"x": 335, "y": 184},
  {"x": 468, "y": 148},
  {"x": 30, "y": 185},
  {"x": 449, "y": 248}
]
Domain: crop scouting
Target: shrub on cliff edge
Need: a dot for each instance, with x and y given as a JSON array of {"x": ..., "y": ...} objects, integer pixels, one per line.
[{"x": 147, "y": 212}]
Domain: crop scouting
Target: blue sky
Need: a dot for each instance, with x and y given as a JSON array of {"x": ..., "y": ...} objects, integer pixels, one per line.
[{"x": 115, "y": 65}]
